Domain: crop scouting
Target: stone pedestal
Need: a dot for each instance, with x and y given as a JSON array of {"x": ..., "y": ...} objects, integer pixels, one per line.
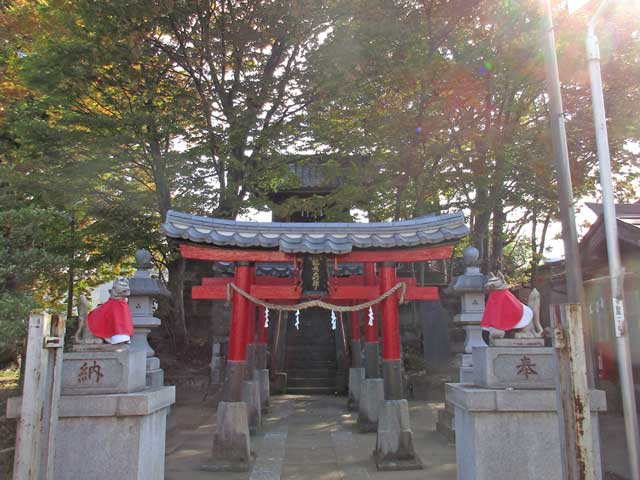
[
  {"x": 251, "y": 396},
  {"x": 371, "y": 397},
  {"x": 508, "y": 434},
  {"x": 231, "y": 451},
  {"x": 394, "y": 441},
  {"x": 113, "y": 436},
  {"x": 262, "y": 376},
  {"x": 513, "y": 367},
  {"x": 356, "y": 377},
  {"x": 103, "y": 369}
]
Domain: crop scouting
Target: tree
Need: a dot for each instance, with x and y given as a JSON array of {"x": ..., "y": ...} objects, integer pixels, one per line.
[{"x": 446, "y": 99}]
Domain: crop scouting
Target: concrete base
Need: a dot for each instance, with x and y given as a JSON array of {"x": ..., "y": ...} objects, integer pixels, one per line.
[
  {"x": 231, "y": 447},
  {"x": 392, "y": 374},
  {"x": 372, "y": 359},
  {"x": 356, "y": 377},
  {"x": 262, "y": 376},
  {"x": 104, "y": 437},
  {"x": 261, "y": 356},
  {"x": 279, "y": 385},
  {"x": 394, "y": 442},
  {"x": 371, "y": 397},
  {"x": 251, "y": 396},
  {"x": 445, "y": 424},
  {"x": 356, "y": 353},
  {"x": 507, "y": 434},
  {"x": 234, "y": 377}
]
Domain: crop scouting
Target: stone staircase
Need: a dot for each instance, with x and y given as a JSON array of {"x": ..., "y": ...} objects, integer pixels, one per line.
[{"x": 311, "y": 355}]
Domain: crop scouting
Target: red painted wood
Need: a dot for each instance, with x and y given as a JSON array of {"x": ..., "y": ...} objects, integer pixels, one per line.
[
  {"x": 239, "y": 314},
  {"x": 355, "y": 325},
  {"x": 390, "y": 323},
  {"x": 251, "y": 313},
  {"x": 216, "y": 254},
  {"x": 355, "y": 292},
  {"x": 267, "y": 280},
  {"x": 212, "y": 281},
  {"x": 371, "y": 331},
  {"x": 259, "y": 280},
  {"x": 422, "y": 293},
  {"x": 399, "y": 255},
  {"x": 352, "y": 280},
  {"x": 197, "y": 252},
  {"x": 209, "y": 292},
  {"x": 276, "y": 292}
]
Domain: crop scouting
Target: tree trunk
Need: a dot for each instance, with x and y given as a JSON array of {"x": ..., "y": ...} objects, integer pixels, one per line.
[
  {"x": 480, "y": 234},
  {"x": 497, "y": 237},
  {"x": 177, "y": 318}
]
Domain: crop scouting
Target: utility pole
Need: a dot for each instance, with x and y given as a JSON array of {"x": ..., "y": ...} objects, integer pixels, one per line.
[
  {"x": 572, "y": 387},
  {"x": 616, "y": 273}
]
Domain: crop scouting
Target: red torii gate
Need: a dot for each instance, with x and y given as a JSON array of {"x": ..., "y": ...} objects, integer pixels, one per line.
[
  {"x": 378, "y": 246},
  {"x": 357, "y": 288}
]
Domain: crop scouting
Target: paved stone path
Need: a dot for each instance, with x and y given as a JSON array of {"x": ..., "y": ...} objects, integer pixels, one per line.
[{"x": 309, "y": 437}]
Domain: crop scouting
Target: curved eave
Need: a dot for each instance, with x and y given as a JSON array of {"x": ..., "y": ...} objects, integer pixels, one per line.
[{"x": 316, "y": 238}]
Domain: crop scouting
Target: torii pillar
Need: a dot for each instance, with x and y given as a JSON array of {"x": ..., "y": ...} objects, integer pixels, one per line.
[
  {"x": 231, "y": 441},
  {"x": 356, "y": 372},
  {"x": 262, "y": 372},
  {"x": 394, "y": 440},
  {"x": 251, "y": 386},
  {"x": 372, "y": 388}
]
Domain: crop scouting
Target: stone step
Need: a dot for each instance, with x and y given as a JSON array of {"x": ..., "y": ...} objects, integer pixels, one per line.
[
  {"x": 306, "y": 366},
  {"x": 311, "y": 390},
  {"x": 326, "y": 382},
  {"x": 312, "y": 372}
]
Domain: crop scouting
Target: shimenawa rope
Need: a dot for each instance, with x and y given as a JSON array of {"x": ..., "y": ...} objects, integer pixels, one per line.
[{"x": 318, "y": 303}]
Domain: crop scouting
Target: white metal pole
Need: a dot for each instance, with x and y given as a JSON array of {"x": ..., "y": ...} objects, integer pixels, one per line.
[
  {"x": 572, "y": 386},
  {"x": 615, "y": 268}
]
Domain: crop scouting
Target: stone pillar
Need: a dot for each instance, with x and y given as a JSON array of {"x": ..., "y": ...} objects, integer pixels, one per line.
[
  {"x": 356, "y": 372},
  {"x": 231, "y": 442},
  {"x": 394, "y": 439},
  {"x": 144, "y": 288}
]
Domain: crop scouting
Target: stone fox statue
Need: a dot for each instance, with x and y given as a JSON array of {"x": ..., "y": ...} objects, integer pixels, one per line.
[
  {"x": 111, "y": 321},
  {"x": 504, "y": 312}
]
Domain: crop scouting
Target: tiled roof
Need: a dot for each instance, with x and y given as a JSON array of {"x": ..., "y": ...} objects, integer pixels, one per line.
[
  {"x": 286, "y": 269},
  {"x": 316, "y": 238}
]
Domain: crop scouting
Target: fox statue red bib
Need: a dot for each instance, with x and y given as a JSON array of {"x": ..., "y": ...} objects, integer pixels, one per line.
[
  {"x": 503, "y": 311},
  {"x": 112, "y": 321}
]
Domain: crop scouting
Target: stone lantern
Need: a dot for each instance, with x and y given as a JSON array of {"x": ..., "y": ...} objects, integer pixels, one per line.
[
  {"x": 470, "y": 288},
  {"x": 144, "y": 289}
]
